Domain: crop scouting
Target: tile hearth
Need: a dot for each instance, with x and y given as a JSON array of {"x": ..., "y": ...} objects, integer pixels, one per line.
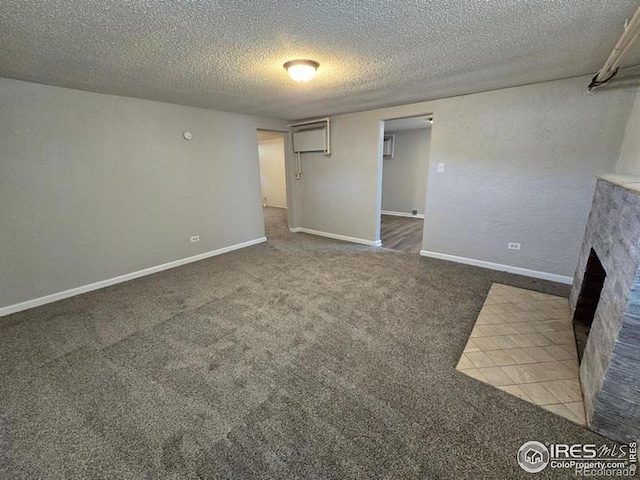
[{"x": 523, "y": 343}]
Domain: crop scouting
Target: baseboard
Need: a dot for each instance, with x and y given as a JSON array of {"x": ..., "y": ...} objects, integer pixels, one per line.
[
  {"x": 335, "y": 236},
  {"x": 54, "y": 297},
  {"x": 402, "y": 214},
  {"x": 497, "y": 266},
  {"x": 274, "y": 206}
]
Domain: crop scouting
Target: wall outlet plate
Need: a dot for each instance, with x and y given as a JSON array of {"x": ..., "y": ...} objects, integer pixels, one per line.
[
  {"x": 513, "y": 246},
  {"x": 441, "y": 167},
  {"x": 195, "y": 238}
]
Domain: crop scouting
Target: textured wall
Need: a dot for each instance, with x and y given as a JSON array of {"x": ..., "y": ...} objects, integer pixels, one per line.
[
  {"x": 629, "y": 162},
  {"x": 272, "y": 171},
  {"x": 520, "y": 166},
  {"x": 404, "y": 177},
  {"x": 94, "y": 186},
  {"x": 610, "y": 368}
]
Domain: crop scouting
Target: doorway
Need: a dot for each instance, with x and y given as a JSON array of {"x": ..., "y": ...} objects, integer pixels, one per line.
[
  {"x": 273, "y": 181},
  {"x": 405, "y": 167}
]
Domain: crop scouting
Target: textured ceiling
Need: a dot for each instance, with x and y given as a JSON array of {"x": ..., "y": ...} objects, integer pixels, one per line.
[{"x": 228, "y": 55}]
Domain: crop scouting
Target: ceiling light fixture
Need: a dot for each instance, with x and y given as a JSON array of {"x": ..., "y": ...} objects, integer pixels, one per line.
[{"x": 302, "y": 70}]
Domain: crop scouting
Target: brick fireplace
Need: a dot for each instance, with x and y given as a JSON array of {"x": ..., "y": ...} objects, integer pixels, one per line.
[{"x": 610, "y": 364}]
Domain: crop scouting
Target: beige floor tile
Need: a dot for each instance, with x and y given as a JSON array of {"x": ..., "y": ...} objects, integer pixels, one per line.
[
  {"x": 523, "y": 328},
  {"x": 561, "y": 352},
  {"x": 562, "y": 391},
  {"x": 501, "y": 299},
  {"x": 475, "y": 333},
  {"x": 516, "y": 391},
  {"x": 480, "y": 359},
  {"x": 471, "y": 346},
  {"x": 559, "y": 338},
  {"x": 464, "y": 363},
  {"x": 560, "y": 409},
  {"x": 491, "y": 330},
  {"x": 496, "y": 376},
  {"x": 518, "y": 374},
  {"x": 497, "y": 318},
  {"x": 516, "y": 318},
  {"x": 537, "y": 354},
  {"x": 522, "y": 341},
  {"x": 552, "y": 325},
  {"x": 485, "y": 312},
  {"x": 533, "y": 317},
  {"x": 508, "y": 329},
  {"x": 538, "y": 394},
  {"x": 560, "y": 371},
  {"x": 539, "y": 339},
  {"x": 572, "y": 365},
  {"x": 501, "y": 357},
  {"x": 486, "y": 343},
  {"x": 521, "y": 356},
  {"x": 577, "y": 408},
  {"x": 557, "y": 325},
  {"x": 538, "y": 372},
  {"x": 504, "y": 342},
  {"x": 475, "y": 373},
  {"x": 506, "y": 309},
  {"x": 490, "y": 309},
  {"x": 573, "y": 384},
  {"x": 541, "y": 327}
]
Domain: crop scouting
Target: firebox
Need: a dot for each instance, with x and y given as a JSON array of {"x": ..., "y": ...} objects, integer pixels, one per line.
[{"x": 588, "y": 299}]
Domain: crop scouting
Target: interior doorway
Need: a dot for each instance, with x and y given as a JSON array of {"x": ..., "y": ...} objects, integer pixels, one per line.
[
  {"x": 405, "y": 168},
  {"x": 273, "y": 181}
]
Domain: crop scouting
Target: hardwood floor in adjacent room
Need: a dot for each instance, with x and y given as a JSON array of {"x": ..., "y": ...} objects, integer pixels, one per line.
[{"x": 401, "y": 233}]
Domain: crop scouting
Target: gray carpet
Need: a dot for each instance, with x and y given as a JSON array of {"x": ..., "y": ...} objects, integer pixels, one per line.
[{"x": 302, "y": 357}]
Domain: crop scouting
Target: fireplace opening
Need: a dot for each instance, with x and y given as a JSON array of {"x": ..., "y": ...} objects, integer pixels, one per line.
[{"x": 587, "y": 303}]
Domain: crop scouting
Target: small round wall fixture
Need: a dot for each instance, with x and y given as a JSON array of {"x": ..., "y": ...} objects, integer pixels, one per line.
[
  {"x": 302, "y": 70},
  {"x": 187, "y": 135}
]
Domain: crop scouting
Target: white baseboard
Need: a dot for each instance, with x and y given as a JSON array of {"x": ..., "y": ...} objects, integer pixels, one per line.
[
  {"x": 335, "y": 236},
  {"x": 274, "y": 206},
  {"x": 402, "y": 214},
  {"x": 497, "y": 266},
  {"x": 54, "y": 297}
]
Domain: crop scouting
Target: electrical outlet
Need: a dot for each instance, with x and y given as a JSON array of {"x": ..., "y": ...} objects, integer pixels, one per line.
[
  {"x": 195, "y": 238},
  {"x": 513, "y": 246},
  {"x": 414, "y": 212},
  {"x": 441, "y": 167}
]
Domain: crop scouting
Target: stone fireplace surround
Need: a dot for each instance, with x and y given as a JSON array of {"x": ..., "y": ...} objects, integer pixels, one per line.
[{"x": 610, "y": 368}]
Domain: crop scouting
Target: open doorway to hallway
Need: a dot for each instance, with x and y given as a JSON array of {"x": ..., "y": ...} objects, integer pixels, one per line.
[
  {"x": 273, "y": 181},
  {"x": 405, "y": 165}
]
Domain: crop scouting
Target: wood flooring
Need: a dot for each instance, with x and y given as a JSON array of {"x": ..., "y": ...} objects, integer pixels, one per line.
[{"x": 401, "y": 233}]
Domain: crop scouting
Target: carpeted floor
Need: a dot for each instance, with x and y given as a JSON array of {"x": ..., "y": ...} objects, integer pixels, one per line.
[{"x": 302, "y": 357}]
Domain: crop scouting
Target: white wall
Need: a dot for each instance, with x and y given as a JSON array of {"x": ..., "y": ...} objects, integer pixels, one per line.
[
  {"x": 94, "y": 186},
  {"x": 629, "y": 162},
  {"x": 272, "y": 171},
  {"x": 520, "y": 166},
  {"x": 404, "y": 176}
]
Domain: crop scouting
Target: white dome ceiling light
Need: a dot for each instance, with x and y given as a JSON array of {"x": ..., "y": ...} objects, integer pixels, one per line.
[{"x": 302, "y": 70}]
